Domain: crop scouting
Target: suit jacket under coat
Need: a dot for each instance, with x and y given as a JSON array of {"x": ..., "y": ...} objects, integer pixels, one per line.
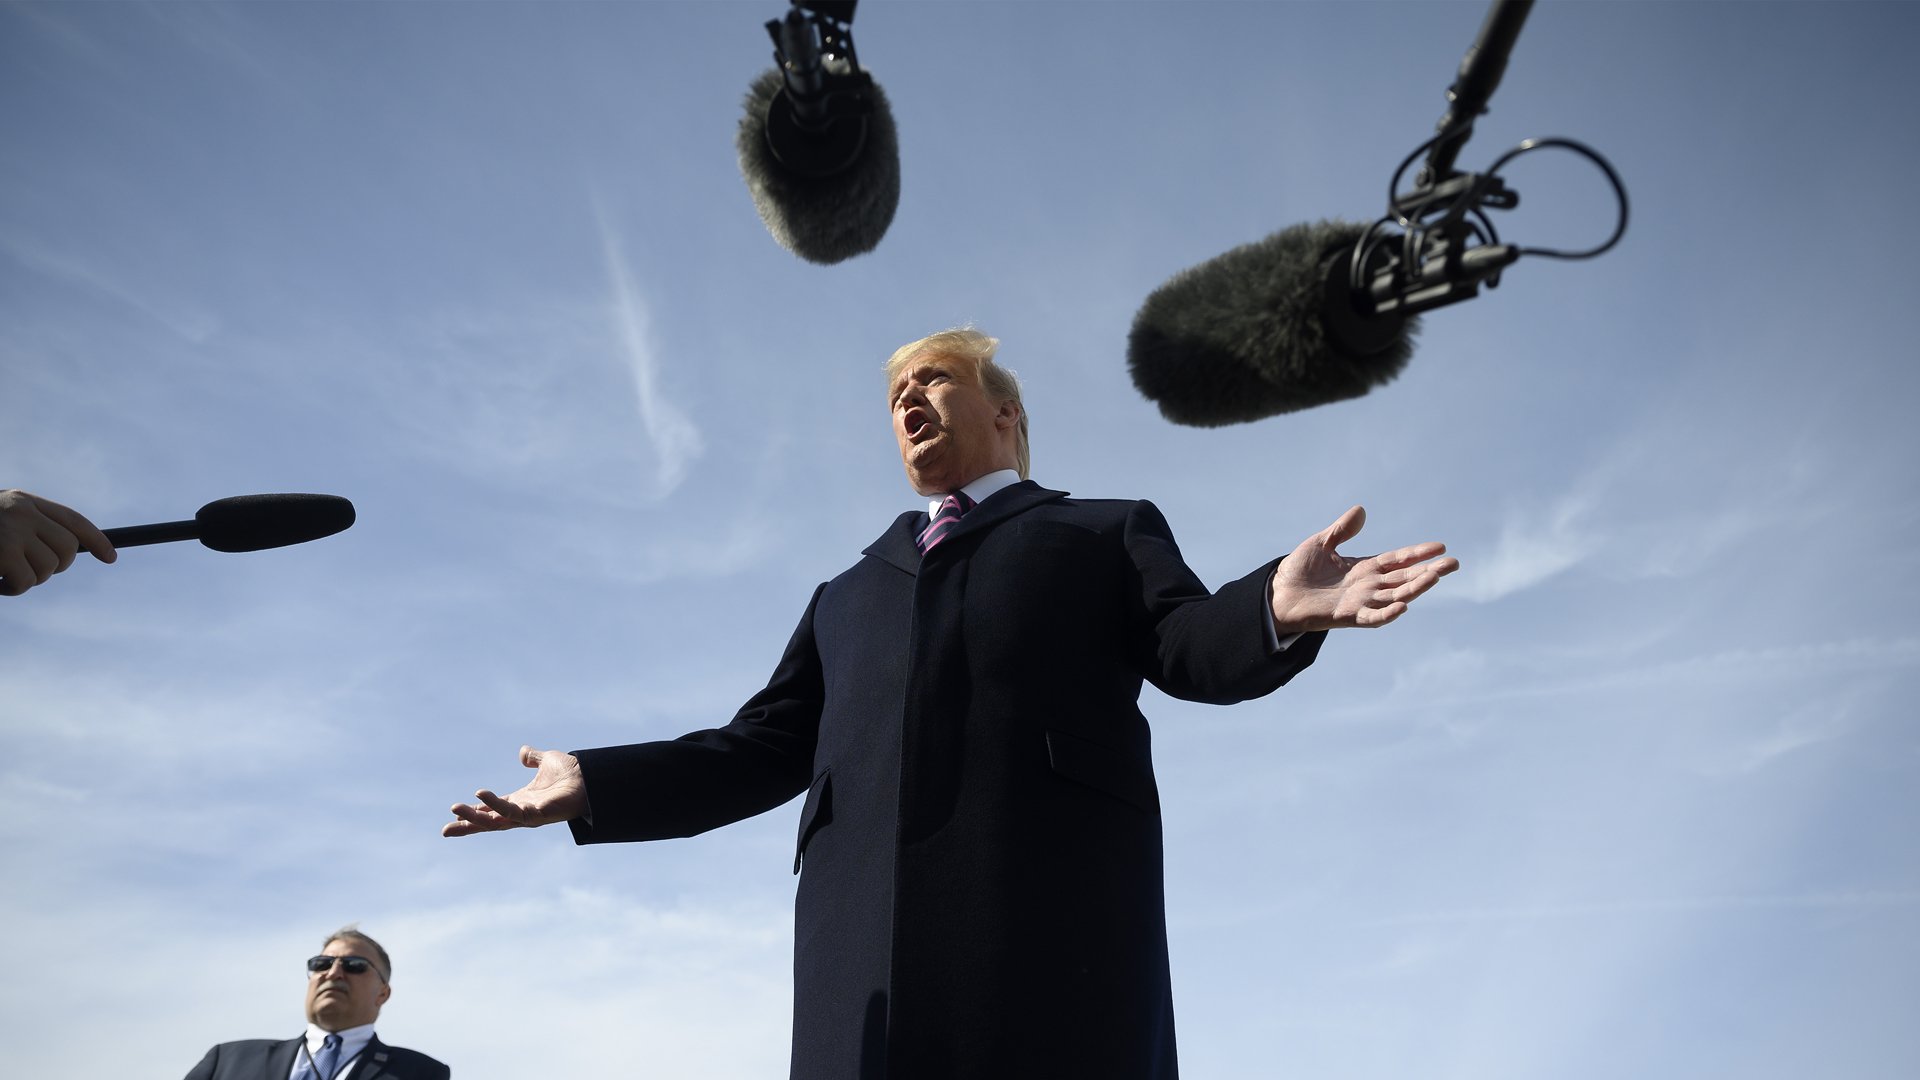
[
  {"x": 980, "y": 847},
  {"x": 270, "y": 1059}
]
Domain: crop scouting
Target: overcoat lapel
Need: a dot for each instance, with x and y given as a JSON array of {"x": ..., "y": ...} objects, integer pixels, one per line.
[
  {"x": 896, "y": 546},
  {"x": 1000, "y": 506},
  {"x": 280, "y": 1058}
]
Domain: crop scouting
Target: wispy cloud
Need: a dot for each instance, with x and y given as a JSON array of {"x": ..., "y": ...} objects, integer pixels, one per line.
[
  {"x": 1809, "y": 725},
  {"x": 190, "y": 322},
  {"x": 1452, "y": 681},
  {"x": 675, "y": 439},
  {"x": 1679, "y": 905},
  {"x": 1533, "y": 548},
  {"x": 613, "y": 973}
]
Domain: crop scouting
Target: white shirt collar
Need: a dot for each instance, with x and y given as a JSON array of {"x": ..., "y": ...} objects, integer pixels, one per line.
[
  {"x": 980, "y": 489},
  {"x": 352, "y": 1040}
]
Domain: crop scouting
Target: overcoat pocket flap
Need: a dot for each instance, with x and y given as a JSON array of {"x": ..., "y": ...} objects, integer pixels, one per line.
[
  {"x": 1112, "y": 771},
  {"x": 817, "y": 812}
]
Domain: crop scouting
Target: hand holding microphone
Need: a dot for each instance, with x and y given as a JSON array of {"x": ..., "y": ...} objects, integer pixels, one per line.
[
  {"x": 247, "y": 523},
  {"x": 39, "y": 537}
]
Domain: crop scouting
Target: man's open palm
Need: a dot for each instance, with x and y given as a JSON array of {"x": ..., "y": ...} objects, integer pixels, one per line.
[{"x": 1317, "y": 588}]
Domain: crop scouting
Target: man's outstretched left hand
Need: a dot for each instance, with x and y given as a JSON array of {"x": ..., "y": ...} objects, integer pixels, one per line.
[{"x": 1317, "y": 588}]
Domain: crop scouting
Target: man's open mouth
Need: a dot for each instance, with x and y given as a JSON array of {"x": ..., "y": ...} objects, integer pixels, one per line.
[{"x": 917, "y": 423}]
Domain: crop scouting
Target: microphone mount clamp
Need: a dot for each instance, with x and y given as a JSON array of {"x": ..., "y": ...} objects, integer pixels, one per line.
[
  {"x": 1449, "y": 247},
  {"x": 817, "y": 122}
]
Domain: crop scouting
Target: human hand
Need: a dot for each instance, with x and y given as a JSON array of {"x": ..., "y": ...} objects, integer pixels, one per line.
[
  {"x": 557, "y": 792},
  {"x": 39, "y": 538},
  {"x": 1317, "y": 588}
]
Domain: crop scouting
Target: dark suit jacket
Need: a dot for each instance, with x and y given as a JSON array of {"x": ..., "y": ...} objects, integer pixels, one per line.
[
  {"x": 981, "y": 843},
  {"x": 267, "y": 1059}
]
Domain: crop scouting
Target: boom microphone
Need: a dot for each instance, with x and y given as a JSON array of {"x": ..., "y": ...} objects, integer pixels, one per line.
[
  {"x": 817, "y": 146},
  {"x": 247, "y": 523},
  {"x": 1269, "y": 327},
  {"x": 1325, "y": 312}
]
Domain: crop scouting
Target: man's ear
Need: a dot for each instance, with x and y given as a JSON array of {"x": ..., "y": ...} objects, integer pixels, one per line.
[
  {"x": 386, "y": 991},
  {"x": 1007, "y": 415}
]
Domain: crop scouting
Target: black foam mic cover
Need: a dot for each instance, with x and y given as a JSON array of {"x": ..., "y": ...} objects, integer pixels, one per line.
[
  {"x": 248, "y": 523},
  {"x": 823, "y": 216},
  {"x": 1266, "y": 328},
  {"x": 254, "y": 522}
]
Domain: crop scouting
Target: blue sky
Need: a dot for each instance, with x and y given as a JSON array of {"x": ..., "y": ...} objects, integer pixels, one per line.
[{"x": 1633, "y": 794}]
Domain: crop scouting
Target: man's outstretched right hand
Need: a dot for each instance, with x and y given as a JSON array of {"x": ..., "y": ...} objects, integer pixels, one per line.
[{"x": 557, "y": 792}]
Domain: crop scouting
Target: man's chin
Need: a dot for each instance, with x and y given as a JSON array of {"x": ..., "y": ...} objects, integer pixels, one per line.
[{"x": 925, "y": 474}]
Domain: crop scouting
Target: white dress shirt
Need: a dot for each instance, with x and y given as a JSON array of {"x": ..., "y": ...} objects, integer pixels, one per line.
[{"x": 352, "y": 1042}]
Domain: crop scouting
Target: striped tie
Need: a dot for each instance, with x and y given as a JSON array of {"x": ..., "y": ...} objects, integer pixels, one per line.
[{"x": 943, "y": 520}]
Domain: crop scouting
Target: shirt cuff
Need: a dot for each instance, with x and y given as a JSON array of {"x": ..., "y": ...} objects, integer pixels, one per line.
[{"x": 1275, "y": 643}]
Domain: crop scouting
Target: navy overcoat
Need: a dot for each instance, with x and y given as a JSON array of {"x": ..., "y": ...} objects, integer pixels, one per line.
[{"x": 980, "y": 854}]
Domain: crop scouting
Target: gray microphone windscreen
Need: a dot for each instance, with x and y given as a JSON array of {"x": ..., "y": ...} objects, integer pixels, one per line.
[
  {"x": 254, "y": 522},
  {"x": 822, "y": 219},
  {"x": 1244, "y": 336}
]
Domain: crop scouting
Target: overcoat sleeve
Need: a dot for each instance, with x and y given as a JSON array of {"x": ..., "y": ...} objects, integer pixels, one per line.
[
  {"x": 1201, "y": 646},
  {"x": 701, "y": 781}
]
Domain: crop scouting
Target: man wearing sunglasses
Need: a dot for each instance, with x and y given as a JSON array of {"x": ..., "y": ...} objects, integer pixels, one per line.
[{"x": 346, "y": 985}]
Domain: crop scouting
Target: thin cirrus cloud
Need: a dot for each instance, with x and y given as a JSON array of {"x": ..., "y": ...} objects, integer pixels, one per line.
[{"x": 675, "y": 440}]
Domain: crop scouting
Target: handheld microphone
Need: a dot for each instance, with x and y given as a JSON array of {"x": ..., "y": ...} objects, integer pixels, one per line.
[
  {"x": 247, "y": 523},
  {"x": 1479, "y": 76},
  {"x": 817, "y": 146}
]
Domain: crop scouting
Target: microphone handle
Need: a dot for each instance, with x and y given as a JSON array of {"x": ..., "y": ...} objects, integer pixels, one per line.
[
  {"x": 1480, "y": 72},
  {"x": 164, "y": 532}
]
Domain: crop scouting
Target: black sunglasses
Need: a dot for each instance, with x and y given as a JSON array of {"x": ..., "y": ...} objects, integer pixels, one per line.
[{"x": 355, "y": 965}]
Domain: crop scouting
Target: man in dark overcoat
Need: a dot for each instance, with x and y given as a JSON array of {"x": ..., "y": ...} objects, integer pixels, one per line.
[{"x": 979, "y": 850}]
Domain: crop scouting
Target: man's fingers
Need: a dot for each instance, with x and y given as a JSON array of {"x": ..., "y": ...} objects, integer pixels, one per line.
[
  {"x": 471, "y": 828},
  {"x": 1345, "y": 528},
  {"x": 1420, "y": 584},
  {"x": 31, "y": 564},
  {"x": 1407, "y": 556},
  {"x": 85, "y": 533},
  {"x": 63, "y": 557},
  {"x": 473, "y": 819},
  {"x": 1370, "y": 617},
  {"x": 494, "y": 812},
  {"x": 45, "y": 560},
  {"x": 500, "y": 806},
  {"x": 16, "y": 574}
]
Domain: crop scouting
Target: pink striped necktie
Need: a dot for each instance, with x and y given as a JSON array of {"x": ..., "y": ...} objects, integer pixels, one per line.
[{"x": 943, "y": 520}]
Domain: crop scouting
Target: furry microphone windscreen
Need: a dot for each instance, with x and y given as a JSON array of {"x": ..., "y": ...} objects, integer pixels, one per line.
[
  {"x": 254, "y": 522},
  {"x": 822, "y": 219},
  {"x": 1244, "y": 336}
]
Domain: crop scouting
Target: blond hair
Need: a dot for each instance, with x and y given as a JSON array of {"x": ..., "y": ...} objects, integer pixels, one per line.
[{"x": 964, "y": 343}]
